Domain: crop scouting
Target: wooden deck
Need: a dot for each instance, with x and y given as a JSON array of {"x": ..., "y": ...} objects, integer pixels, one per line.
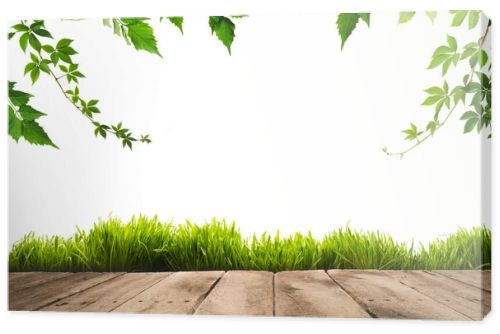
[{"x": 442, "y": 295}]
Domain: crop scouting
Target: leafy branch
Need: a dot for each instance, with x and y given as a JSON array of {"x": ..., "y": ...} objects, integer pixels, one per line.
[
  {"x": 475, "y": 87},
  {"x": 45, "y": 59},
  {"x": 137, "y": 32}
]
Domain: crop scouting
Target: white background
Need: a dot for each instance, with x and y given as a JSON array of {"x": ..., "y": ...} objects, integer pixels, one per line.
[
  {"x": 133, "y": 323},
  {"x": 285, "y": 133}
]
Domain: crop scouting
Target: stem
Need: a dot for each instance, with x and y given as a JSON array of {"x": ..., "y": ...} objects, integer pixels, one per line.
[
  {"x": 66, "y": 95},
  {"x": 441, "y": 124}
]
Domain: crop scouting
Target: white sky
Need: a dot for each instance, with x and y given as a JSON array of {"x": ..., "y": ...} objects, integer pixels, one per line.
[{"x": 285, "y": 133}]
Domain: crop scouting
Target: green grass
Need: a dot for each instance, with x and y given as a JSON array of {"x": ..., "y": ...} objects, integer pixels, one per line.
[{"x": 147, "y": 244}]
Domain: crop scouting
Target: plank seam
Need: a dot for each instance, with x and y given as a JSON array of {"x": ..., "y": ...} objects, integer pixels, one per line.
[
  {"x": 457, "y": 280},
  {"x": 437, "y": 301},
  {"x": 274, "y": 294},
  {"x": 202, "y": 298},
  {"x": 354, "y": 298},
  {"x": 149, "y": 287},
  {"x": 72, "y": 294}
]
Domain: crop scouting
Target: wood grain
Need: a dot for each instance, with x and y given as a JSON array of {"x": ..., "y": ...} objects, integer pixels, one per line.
[
  {"x": 20, "y": 281},
  {"x": 386, "y": 297},
  {"x": 241, "y": 293},
  {"x": 313, "y": 293},
  {"x": 52, "y": 291},
  {"x": 478, "y": 278},
  {"x": 180, "y": 293},
  {"x": 109, "y": 295},
  {"x": 468, "y": 300}
]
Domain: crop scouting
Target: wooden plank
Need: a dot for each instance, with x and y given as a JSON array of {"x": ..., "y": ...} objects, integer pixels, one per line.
[
  {"x": 41, "y": 295},
  {"x": 478, "y": 278},
  {"x": 313, "y": 294},
  {"x": 109, "y": 295},
  {"x": 180, "y": 293},
  {"x": 241, "y": 293},
  {"x": 385, "y": 297},
  {"x": 461, "y": 297},
  {"x": 19, "y": 281}
]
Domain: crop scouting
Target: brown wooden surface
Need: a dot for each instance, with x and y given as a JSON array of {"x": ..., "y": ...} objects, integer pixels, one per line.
[
  {"x": 479, "y": 279},
  {"x": 470, "y": 301},
  {"x": 109, "y": 295},
  {"x": 313, "y": 293},
  {"x": 443, "y": 295},
  {"x": 385, "y": 297},
  {"x": 179, "y": 293},
  {"x": 241, "y": 293},
  {"x": 52, "y": 291}
]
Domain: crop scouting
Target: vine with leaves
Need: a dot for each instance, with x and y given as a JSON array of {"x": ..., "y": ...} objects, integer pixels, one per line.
[
  {"x": 472, "y": 95},
  {"x": 57, "y": 60}
]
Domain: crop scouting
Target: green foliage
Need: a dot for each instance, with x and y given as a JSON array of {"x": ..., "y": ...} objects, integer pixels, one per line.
[
  {"x": 445, "y": 55},
  {"x": 431, "y": 14},
  {"x": 23, "y": 119},
  {"x": 223, "y": 28},
  {"x": 405, "y": 17},
  {"x": 460, "y": 15},
  {"x": 45, "y": 59},
  {"x": 176, "y": 21},
  {"x": 412, "y": 132},
  {"x": 473, "y": 93},
  {"x": 346, "y": 23},
  {"x": 135, "y": 31},
  {"x": 146, "y": 244}
]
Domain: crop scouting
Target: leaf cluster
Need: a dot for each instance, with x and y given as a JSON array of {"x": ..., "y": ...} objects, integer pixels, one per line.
[
  {"x": 23, "y": 118},
  {"x": 50, "y": 58}
]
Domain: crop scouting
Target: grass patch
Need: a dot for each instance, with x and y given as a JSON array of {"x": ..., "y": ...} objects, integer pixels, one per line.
[{"x": 147, "y": 244}]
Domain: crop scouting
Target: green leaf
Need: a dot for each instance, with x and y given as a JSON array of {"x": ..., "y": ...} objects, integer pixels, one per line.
[
  {"x": 48, "y": 48},
  {"x": 430, "y": 100},
  {"x": 65, "y": 42},
  {"x": 224, "y": 29},
  {"x": 459, "y": 17},
  {"x": 23, "y": 41},
  {"x": 29, "y": 114},
  {"x": 412, "y": 133},
  {"x": 177, "y": 21},
  {"x": 64, "y": 57},
  {"x": 452, "y": 42},
  {"x": 431, "y": 126},
  {"x": 18, "y": 98},
  {"x": 34, "y": 42},
  {"x": 473, "y": 18},
  {"x": 15, "y": 125},
  {"x": 483, "y": 57},
  {"x": 470, "y": 124},
  {"x": 35, "y": 134},
  {"x": 405, "y": 17},
  {"x": 346, "y": 23},
  {"x": 35, "y": 74},
  {"x": 431, "y": 14},
  {"x": 141, "y": 35},
  {"x": 54, "y": 57},
  {"x": 20, "y": 27},
  {"x": 365, "y": 17},
  {"x": 43, "y": 33},
  {"x": 29, "y": 67},
  {"x": 434, "y": 91},
  {"x": 468, "y": 115}
]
